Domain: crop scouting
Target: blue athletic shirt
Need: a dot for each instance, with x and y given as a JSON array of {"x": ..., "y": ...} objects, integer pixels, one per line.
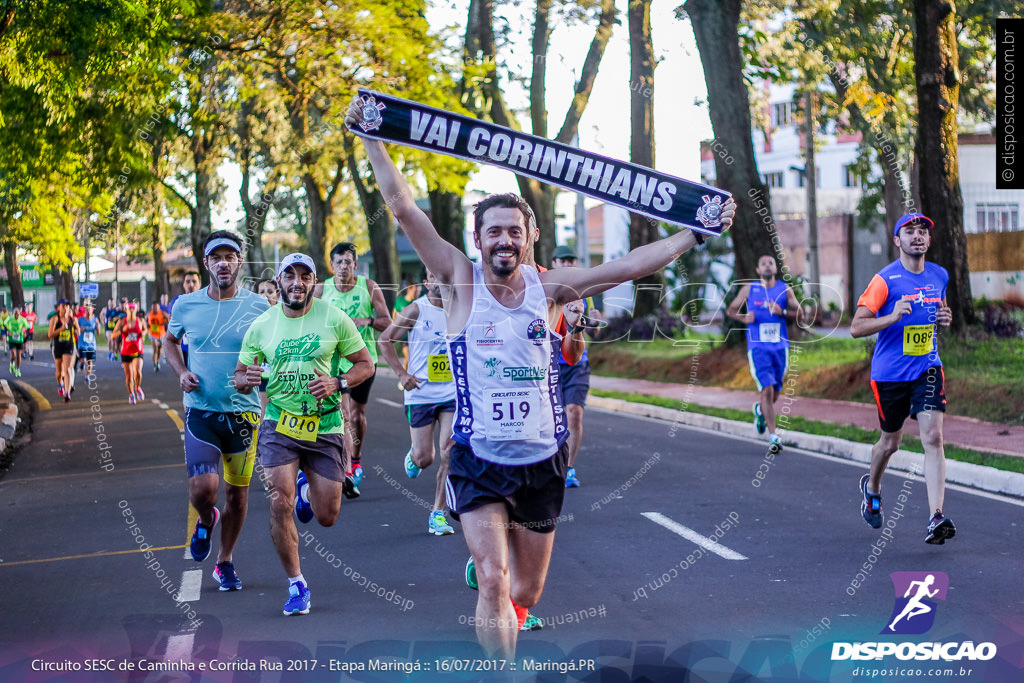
[
  {"x": 215, "y": 331},
  {"x": 906, "y": 349},
  {"x": 87, "y": 339},
  {"x": 768, "y": 331}
]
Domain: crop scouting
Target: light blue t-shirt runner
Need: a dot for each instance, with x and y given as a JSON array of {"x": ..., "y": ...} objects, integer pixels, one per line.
[{"x": 215, "y": 331}]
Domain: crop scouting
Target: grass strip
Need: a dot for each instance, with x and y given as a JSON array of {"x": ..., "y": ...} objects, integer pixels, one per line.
[{"x": 1006, "y": 463}]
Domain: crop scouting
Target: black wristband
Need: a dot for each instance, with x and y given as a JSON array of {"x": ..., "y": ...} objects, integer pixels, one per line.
[
  {"x": 698, "y": 236},
  {"x": 342, "y": 385},
  {"x": 573, "y": 329}
]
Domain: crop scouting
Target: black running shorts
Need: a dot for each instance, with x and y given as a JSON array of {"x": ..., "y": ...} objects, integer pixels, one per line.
[
  {"x": 532, "y": 494},
  {"x": 898, "y": 400},
  {"x": 325, "y": 456}
]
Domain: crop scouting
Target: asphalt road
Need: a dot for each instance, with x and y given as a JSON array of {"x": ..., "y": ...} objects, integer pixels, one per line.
[{"x": 674, "y": 561}]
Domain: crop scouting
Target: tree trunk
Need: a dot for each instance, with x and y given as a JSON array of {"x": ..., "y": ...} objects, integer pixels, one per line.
[
  {"x": 715, "y": 26},
  {"x": 897, "y": 202},
  {"x": 256, "y": 213},
  {"x": 63, "y": 283},
  {"x": 938, "y": 95},
  {"x": 449, "y": 217},
  {"x": 642, "y": 230},
  {"x": 202, "y": 220},
  {"x": 319, "y": 210},
  {"x": 14, "y": 273},
  {"x": 159, "y": 269}
]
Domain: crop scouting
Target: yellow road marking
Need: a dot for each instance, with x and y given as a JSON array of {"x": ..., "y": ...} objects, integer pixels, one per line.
[
  {"x": 177, "y": 420},
  {"x": 39, "y": 399},
  {"x": 89, "y": 555}
]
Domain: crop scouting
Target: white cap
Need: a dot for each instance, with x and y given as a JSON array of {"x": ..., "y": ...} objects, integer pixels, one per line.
[
  {"x": 296, "y": 259},
  {"x": 221, "y": 242}
]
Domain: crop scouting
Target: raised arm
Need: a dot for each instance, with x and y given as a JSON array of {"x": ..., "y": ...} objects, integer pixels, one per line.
[
  {"x": 567, "y": 284},
  {"x": 734, "y": 308},
  {"x": 440, "y": 257}
]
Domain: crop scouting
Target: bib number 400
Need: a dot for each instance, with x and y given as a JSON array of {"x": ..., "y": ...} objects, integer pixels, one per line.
[{"x": 498, "y": 411}]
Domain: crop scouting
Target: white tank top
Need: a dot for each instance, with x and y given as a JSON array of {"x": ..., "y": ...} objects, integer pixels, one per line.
[
  {"x": 428, "y": 357},
  {"x": 505, "y": 363}
]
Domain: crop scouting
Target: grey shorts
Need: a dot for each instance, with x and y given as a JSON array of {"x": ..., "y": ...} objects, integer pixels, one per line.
[{"x": 325, "y": 456}]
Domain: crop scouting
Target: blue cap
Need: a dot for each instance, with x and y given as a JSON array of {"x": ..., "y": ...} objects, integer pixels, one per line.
[{"x": 912, "y": 218}]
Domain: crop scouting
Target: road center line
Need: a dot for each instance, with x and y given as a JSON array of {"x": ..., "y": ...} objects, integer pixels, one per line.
[
  {"x": 179, "y": 647},
  {"x": 387, "y": 402},
  {"x": 693, "y": 536},
  {"x": 191, "y": 585}
]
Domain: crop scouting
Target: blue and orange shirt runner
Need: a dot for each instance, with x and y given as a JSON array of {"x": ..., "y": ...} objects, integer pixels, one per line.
[{"x": 907, "y": 348}]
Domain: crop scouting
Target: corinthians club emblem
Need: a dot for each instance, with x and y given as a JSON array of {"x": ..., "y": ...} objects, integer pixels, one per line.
[
  {"x": 371, "y": 109},
  {"x": 710, "y": 214}
]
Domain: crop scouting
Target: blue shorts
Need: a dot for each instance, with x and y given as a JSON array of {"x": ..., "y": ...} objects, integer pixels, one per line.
[
  {"x": 424, "y": 414},
  {"x": 575, "y": 382},
  {"x": 212, "y": 437},
  {"x": 768, "y": 366}
]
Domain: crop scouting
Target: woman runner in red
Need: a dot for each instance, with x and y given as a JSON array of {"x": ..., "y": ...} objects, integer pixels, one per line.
[{"x": 131, "y": 331}]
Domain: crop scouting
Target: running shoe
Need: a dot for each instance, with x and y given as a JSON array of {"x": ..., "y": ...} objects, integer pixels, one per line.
[
  {"x": 412, "y": 470},
  {"x": 438, "y": 524},
  {"x": 298, "y": 599},
  {"x": 131, "y": 399},
  {"x": 225, "y": 573},
  {"x": 759, "y": 423},
  {"x": 12, "y": 368},
  {"x": 349, "y": 487},
  {"x": 110, "y": 357},
  {"x": 138, "y": 392},
  {"x": 156, "y": 367},
  {"x": 570, "y": 479},
  {"x": 17, "y": 372},
  {"x": 471, "y": 573},
  {"x": 60, "y": 389},
  {"x": 357, "y": 475},
  {"x": 532, "y": 623},
  {"x": 202, "y": 539},
  {"x": 939, "y": 529},
  {"x": 871, "y": 505},
  {"x": 302, "y": 508},
  {"x": 775, "y": 443}
]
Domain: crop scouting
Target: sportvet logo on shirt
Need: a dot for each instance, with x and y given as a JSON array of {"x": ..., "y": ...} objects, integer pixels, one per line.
[
  {"x": 301, "y": 349},
  {"x": 525, "y": 373}
]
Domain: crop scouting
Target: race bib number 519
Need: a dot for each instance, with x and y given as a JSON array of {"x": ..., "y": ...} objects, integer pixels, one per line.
[{"x": 514, "y": 416}]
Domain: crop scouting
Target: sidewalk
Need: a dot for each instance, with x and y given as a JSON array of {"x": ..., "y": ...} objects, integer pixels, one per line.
[{"x": 966, "y": 432}]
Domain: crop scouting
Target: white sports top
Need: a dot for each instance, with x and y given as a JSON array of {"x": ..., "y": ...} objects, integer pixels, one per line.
[
  {"x": 505, "y": 363},
  {"x": 428, "y": 356}
]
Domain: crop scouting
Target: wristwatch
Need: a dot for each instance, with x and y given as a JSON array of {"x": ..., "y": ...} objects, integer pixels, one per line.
[{"x": 342, "y": 384}]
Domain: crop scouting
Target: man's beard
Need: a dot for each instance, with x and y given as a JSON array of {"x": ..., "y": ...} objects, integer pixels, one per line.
[
  {"x": 503, "y": 270},
  {"x": 230, "y": 281},
  {"x": 296, "y": 304}
]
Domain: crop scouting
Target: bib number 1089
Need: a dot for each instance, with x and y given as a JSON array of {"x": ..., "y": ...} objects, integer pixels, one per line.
[{"x": 498, "y": 410}]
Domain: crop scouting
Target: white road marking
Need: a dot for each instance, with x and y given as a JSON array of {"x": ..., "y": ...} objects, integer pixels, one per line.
[
  {"x": 393, "y": 404},
  {"x": 163, "y": 406},
  {"x": 179, "y": 647},
  {"x": 191, "y": 585},
  {"x": 693, "y": 536}
]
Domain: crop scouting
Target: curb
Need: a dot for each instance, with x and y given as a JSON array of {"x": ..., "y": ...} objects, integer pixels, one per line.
[
  {"x": 9, "y": 413},
  {"x": 964, "y": 473}
]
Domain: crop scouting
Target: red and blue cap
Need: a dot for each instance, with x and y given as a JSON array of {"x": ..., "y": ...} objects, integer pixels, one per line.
[{"x": 908, "y": 218}]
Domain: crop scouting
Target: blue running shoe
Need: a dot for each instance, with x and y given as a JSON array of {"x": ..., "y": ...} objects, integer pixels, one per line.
[
  {"x": 939, "y": 529},
  {"x": 349, "y": 487},
  {"x": 298, "y": 599},
  {"x": 412, "y": 470},
  {"x": 357, "y": 475},
  {"x": 871, "y": 505},
  {"x": 532, "y": 623},
  {"x": 759, "y": 423},
  {"x": 570, "y": 479},
  {"x": 225, "y": 573},
  {"x": 202, "y": 539},
  {"x": 775, "y": 443},
  {"x": 471, "y": 573},
  {"x": 302, "y": 508},
  {"x": 439, "y": 525}
]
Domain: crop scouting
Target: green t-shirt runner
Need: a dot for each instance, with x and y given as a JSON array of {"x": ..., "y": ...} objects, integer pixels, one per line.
[
  {"x": 294, "y": 348},
  {"x": 16, "y": 329},
  {"x": 357, "y": 304}
]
